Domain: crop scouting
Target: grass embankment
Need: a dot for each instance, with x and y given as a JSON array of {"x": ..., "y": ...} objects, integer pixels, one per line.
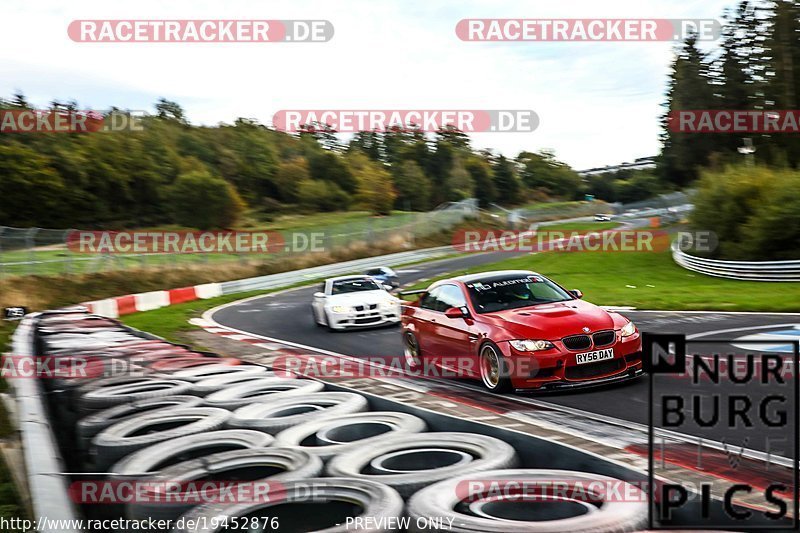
[
  {"x": 340, "y": 229},
  {"x": 651, "y": 281},
  {"x": 48, "y": 292},
  {"x": 170, "y": 322}
]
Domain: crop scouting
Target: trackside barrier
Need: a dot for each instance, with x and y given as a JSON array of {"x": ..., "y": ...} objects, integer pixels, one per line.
[
  {"x": 43, "y": 462},
  {"x": 147, "y": 301},
  {"x": 741, "y": 270}
]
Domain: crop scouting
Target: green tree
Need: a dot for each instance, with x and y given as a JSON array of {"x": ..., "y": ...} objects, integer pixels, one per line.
[
  {"x": 289, "y": 176},
  {"x": 543, "y": 172},
  {"x": 480, "y": 170},
  {"x": 412, "y": 185},
  {"x": 318, "y": 195},
  {"x": 31, "y": 192},
  {"x": 328, "y": 166},
  {"x": 375, "y": 190},
  {"x": 200, "y": 200},
  {"x": 169, "y": 110},
  {"x": 506, "y": 181},
  {"x": 684, "y": 154}
]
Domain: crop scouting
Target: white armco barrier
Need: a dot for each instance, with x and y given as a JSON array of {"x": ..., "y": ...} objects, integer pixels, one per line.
[{"x": 742, "y": 270}]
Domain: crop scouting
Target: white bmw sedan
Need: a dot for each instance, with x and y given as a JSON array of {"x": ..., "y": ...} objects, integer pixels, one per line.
[{"x": 354, "y": 301}]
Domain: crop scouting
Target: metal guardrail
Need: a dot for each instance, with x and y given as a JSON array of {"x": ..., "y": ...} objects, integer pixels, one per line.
[
  {"x": 741, "y": 270},
  {"x": 43, "y": 462},
  {"x": 284, "y": 279}
]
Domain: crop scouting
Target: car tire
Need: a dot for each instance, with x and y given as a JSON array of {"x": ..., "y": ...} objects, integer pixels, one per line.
[
  {"x": 123, "y": 438},
  {"x": 410, "y": 462},
  {"x": 321, "y": 437},
  {"x": 211, "y": 371},
  {"x": 261, "y": 390},
  {"x": 317, "y": 319},
  {"x": 493, "y": 369},
  {"x": 445, "y": 499},
  {"x": 382, "y": 504},
  {"x": 93, "y": 424},
  {"x": 210, "y": 385},
  {"x": 292, "y": 465},
  {"x": 104, "y": 397},
  {"x": 274, "y": 417},
  {"x": 328, "y": 322},
  {"x": 153, "y": 459}
]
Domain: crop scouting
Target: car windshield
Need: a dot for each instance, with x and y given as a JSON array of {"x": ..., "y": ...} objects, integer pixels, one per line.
[
  {"x": 514, "y": 291},
  {"x": 354, "y": 285}
]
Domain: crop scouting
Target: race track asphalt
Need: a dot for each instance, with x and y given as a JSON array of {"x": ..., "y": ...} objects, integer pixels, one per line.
[{"x": 287, "y": 316}]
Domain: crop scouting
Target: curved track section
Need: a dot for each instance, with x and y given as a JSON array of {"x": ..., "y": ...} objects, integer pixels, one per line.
[{"x": 286, "y": 317}]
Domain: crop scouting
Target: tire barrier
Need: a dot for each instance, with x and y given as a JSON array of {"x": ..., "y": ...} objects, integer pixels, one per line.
[
  {"x": 411, "y": 462},
  {"x": 258, "y": 390},
  {"x": 217, "y": 370},
  {"x": 182, "y": 363},
  {"x": 255, "y": 465},
  {"x": 153, "y": 459},
  {"x": 206, "y": 386},
  {"x": 144, "y": 389},
  {"x": 470, "y": 506},
  {"x": 93, "y": 424},
  {"x": 123, "y": 438},
  {"x": 327, "y": 438},
  {"x": 281, "y": 414},
  {"x": 320, "y": 504}
]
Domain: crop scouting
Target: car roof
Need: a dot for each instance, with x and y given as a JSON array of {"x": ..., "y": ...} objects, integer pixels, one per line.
[
  {"x": 353, "y": 277},
  {"x": 493, "y": 275}
]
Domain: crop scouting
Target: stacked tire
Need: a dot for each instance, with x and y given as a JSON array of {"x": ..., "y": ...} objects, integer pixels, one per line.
[{"x": 320, "y": 460}]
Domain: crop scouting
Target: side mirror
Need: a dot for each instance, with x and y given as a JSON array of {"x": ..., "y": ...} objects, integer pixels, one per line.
[
  {"x": 576, "y": 293},
  {"x": 387, "y": 287},
  {"x": 456, "y": 312},
  {"x": 319, "y": 295}
]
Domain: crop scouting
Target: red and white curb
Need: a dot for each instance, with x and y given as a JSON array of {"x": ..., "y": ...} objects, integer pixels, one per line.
[{"x": 147, "y": 301}]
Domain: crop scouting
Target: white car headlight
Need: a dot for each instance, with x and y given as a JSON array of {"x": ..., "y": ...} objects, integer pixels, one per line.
[
  {"x": 627, "y": 330},
  {"x": 528, "y": 345},
  {"x": 339, "y": 309}
]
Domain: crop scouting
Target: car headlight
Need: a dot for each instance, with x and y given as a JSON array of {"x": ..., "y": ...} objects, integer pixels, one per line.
[
  {"x": 339, "y": 309},
  {"x": 627, "y": 330},
  {"x": 528, "y": 345}
]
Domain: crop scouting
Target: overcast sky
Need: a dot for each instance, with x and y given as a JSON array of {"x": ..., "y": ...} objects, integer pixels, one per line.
[{"x": 598, "y": 103}]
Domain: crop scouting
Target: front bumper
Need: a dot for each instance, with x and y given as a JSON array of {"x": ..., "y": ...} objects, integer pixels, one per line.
[
  {"x": 365, "y": 318},
  {"x": 557, "y": 368}
]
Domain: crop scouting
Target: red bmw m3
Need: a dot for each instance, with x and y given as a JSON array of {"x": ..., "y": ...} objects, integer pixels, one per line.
[{"x": 518, "y": 330}]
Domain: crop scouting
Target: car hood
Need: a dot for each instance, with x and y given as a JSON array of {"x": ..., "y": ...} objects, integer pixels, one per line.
[
  {"x": 551, "y": 321},
  {"x": 359, "y": 298}
]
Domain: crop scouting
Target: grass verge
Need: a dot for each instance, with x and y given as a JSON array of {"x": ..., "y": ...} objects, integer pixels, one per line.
[{"x": 650, "y": 281}]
